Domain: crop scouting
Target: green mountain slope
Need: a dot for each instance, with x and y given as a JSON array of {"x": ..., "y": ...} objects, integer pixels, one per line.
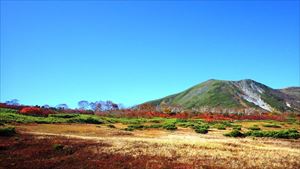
[{"x": 230, "y": 95}]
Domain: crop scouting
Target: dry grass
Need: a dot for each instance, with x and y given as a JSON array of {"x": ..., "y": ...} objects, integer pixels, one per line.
[{"x": 183, "y": 148}]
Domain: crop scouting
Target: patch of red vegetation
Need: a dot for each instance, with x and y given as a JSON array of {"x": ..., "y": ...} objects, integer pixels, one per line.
[
  {"x": 30, "y": 152},
  {"x": 15, "y": 107},
  {"x": 36, "y": 111},
  {"x": 208, "y": 117},
  {"x": 150, "y": 112}
]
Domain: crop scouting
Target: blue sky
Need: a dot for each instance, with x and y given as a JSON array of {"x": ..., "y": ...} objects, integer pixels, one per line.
[{"x": 131, "y": 52}]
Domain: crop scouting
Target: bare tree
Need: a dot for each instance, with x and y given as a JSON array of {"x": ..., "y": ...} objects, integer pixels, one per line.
[
  {"x": 83, "y": 105},
  {"x": 103, "y": 106},
  {"x": 14, "y": 102},
  {"x": 121, "y": 106},
  {"x": 96, "y": 106},
  {"x": 115, "y": 106},
  {"x": 62, "y": 106},
  {"x": 108, "y": 105}
]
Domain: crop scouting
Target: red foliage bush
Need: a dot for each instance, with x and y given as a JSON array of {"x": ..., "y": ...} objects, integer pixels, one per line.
[
  {"x": 36, "y": 111},
  {"x": 207, "y": 116},
  {"x": 262, "y": 116},
  {"x": 149, "y": 112},
  {"x": 210, "y": 117},
  {"x": 15, "y": 107}
]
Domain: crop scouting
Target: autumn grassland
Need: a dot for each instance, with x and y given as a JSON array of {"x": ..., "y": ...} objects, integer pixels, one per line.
[{"x": 116, "y": 142}]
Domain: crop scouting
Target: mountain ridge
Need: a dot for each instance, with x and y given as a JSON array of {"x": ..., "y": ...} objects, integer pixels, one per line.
[{"x": 240, "y": 94}]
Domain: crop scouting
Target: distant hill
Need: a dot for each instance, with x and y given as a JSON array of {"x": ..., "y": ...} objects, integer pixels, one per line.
[
  {"x": 292, "y": 91},
  {"x": 234, "y": 95}
]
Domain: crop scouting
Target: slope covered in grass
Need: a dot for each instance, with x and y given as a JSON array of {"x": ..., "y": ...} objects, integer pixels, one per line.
[{"x": 230, "y": 95}]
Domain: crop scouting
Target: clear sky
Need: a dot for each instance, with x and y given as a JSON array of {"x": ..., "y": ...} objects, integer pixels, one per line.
[{"x": 131, "y": 52}]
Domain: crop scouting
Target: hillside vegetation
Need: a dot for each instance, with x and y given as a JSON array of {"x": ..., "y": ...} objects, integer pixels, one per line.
[{"x": 234, "y": 95}]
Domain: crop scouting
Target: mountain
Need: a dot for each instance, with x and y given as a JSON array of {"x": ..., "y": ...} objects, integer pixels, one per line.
[
  {"x": 241, "y": 94},
  {"x": 293, "y": 92}
]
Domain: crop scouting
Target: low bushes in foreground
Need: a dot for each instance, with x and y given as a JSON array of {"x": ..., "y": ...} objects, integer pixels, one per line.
[
  {"x": 141, "y": 127},
  {"x": 66, "y": 116},
  {"x": 235, "y": 133},
  {"x": 220, "y": 126},
  {"x": 89, "y": 120},
  {"x": 14, "y": 117},
  {"x": 170, "y": 126},
  {"x": 134, "y": 127},
  {"x": 272, "y": 125},
  {"x": 287, "y": 134},
  {"x": 155, "y": 126},
  {"x": 186, "y": 124},
  {"x": 237, "y": 127},
  {"x": 7, "y": 131},
  {"x": 254, "y": 127},
  {"x": 202, "y": 129}
]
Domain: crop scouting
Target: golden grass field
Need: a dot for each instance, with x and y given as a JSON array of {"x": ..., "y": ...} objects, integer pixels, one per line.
[{"x": 183, "y": 146}]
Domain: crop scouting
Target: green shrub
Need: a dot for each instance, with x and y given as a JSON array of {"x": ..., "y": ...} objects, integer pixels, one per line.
[
  {"x": 202, "y": 129},
  {"x": 7, "y": 131},
  {"x": 226, "y": 123},
  {"x": 220, "y": 126},
  {"x": 6, "y": 110},
  {"x": 255, "y": 127},
  {"x": 130, "y": 120},
  {"x": 154, "y": 126},
  {"x": 186, "y": 124},
  {"x": 137, "y": 126},
  {"x": 288, "y": 134},
  {"x": 234, "y": 133},
  {"x": 64, "y": 115},
  {"x": 134, "y": 127},
  {"x": 181, "y": 120},
  {"x": 237, "y": 127},
  {"x": 196, "y": 121},
  {"x": 201, "y": 126},
  {"x": 292, "y": 135},
  {"x": 154, "y": 120},
  {"x": 257, "y": 134},
  {"x": 93, "y": 120},
  {"x": 90, "y": 120},
  {"x": 272, "y": 125},
  {"x": 170, "y": 126},
  {"x": 111, "y": 120}
]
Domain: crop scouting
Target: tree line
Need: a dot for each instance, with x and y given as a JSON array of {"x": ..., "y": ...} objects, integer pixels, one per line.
[{"x": 81, "y": 105}]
